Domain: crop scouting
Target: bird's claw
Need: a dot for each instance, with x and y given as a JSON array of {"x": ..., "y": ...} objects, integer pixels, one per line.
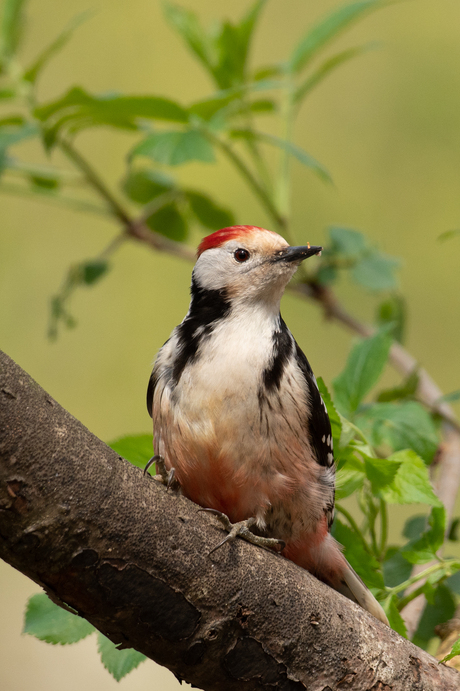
[
  {"x": 164, "y": 476},
  {"x": 159, "y": 463},
  {"x": 242, "y": 529}
]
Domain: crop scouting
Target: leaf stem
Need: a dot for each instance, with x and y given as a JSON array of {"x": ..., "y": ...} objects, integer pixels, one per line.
[
  {"x": 346, "y": 514},
  {"x": 383, "y": 528},
  {"x": 254, "y": 183},
  {"x": 411, "y": 596},
  {"x": 95, "y": 181},
  {"x": 443, "y": 564},
  {"x": 53, "y": 198}
]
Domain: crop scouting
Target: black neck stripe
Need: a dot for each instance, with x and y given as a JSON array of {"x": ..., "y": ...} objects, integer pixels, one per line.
[
  {"x": 282, "y": 349},
  {"x": 207, "y": 307}
]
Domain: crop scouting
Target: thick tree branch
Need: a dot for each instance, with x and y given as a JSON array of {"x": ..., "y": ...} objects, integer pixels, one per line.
[{"x": 132, "y": 558}]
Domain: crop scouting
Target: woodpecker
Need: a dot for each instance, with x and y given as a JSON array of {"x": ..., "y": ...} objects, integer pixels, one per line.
[{"x": 238, "y": 419}]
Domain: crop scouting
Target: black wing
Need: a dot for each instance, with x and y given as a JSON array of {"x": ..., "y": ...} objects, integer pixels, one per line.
[
  {"x": 319, "y": 426},
  {"x": 150, "y": 391}
]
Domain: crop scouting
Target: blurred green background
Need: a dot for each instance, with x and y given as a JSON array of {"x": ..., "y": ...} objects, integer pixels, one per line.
[{"x": 387, "y": 127}]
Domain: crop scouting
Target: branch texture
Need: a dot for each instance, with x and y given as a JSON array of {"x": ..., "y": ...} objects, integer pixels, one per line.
[{"x": 131, "y": 558}]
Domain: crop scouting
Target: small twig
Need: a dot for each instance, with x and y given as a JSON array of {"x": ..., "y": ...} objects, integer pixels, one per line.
[
  {"x": 424, "y": 573},
  {"x": 53, "y": 198}
]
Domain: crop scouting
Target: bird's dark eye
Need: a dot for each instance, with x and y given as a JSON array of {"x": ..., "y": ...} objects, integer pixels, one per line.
[{"x": 241, "y": 255}]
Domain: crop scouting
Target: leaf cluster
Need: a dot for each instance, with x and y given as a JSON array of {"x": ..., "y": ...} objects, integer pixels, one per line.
[
  {"x": 52, "y": 624},
  {"x": 169, "y": 134}
]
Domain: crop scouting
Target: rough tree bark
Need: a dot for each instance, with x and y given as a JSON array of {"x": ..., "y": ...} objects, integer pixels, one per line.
[{"x": 131, "y": 558}]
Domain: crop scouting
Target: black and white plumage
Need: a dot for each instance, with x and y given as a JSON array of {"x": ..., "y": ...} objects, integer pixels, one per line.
[{"x": 236, "y": 409}]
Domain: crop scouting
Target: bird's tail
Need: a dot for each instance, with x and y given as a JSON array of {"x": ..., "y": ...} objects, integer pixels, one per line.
[
  {"x": 323, "y": 557},
  {"x": 352, "y": 587}
]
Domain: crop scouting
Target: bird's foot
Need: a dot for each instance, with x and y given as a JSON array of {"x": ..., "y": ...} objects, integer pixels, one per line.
[
  {"x": 166, "y": 477},
  {"x": 242, "y": 529}
]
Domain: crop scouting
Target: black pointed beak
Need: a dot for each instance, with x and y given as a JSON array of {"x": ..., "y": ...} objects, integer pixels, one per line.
[{"x": 296, "y": 254}]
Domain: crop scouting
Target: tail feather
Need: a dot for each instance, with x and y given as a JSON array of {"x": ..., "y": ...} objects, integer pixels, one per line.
[{"x": 352, "y": 587}]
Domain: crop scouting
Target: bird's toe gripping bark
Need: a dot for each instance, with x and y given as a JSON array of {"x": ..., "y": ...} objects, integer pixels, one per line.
[
  {"x": 242, "y": 529},
  {"x": 166, "y": 477}
]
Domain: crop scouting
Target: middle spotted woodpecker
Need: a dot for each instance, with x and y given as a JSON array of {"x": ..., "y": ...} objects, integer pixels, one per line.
[{"x": 237, "y": 415}]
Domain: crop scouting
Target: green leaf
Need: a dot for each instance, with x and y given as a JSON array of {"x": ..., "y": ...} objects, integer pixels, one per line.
[
  {"x": 175, "y": 148},
  {"x": 442, "y": 610},
  {"x": 292, "y": 149},
  {"x": 414, "y": 527},
  {"x": 208, "y": 107},
  {"x": 334, "y": 417},
  {"x": 453, "y": 582},
  {"x": 327, "y": 29},
  {"x": 78, "y": 109},
  {"x": 454, "y": 652},
  {"x": 186, "y": 23},
  {"x": 15, "y": 120},
  {"x": 396, "y": 621},
  {"x": 10, "y": 134},
  {"x": 326, "y": 274},
  {"x": 263, "y": 105},
  {"x": 232, "y": 45},
  {"x": 363, "y": 563},
  {"x": 141, "y": 186},
  {"x": 393, "y": 311},
  {"x": 209, "y": 214},
  {"x": 423, "y": 549},
  {"x": 118, "y": 662},
  {"x": 45, "y": 56},
  {"x": 411, "y": 484},
  {"x": 396, "y": 569},
  {"x": 405, "y": 425},
  {"x": 449, "y": 234},
  {"x": 44, "y": 182},
  {"x": 121, "y": 111},
  {"x": 52, "y": 624},
  {"x": 12, "y": 23},
  {"x": 408, "y": 389},
  {"x": 348, "y": 432},
  {"x": 325, "y": 69},
  {"x": 6, "y": 94},
  {"x": 453, "y": 530},
  {"x": 136, "y": 448},
  {"x": 346, "y": 242},
  {"x": 224, "y": 51},
  {"x": 376, "y": 271},
  {"x": 380, "y": 472},
  {"x": 362, "y": 371},
  {"x": 169, "y": 222},
  {"x": 263, "y": 73},
  {"x": 92, "y": 271},
  {"x": 449, "y": 397},
  {"x": 245, "y": 31},
  {"x": 348, "y": 481}
]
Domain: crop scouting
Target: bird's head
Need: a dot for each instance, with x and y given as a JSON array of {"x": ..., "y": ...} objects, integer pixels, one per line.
[{"x": 248, "y": 262}]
